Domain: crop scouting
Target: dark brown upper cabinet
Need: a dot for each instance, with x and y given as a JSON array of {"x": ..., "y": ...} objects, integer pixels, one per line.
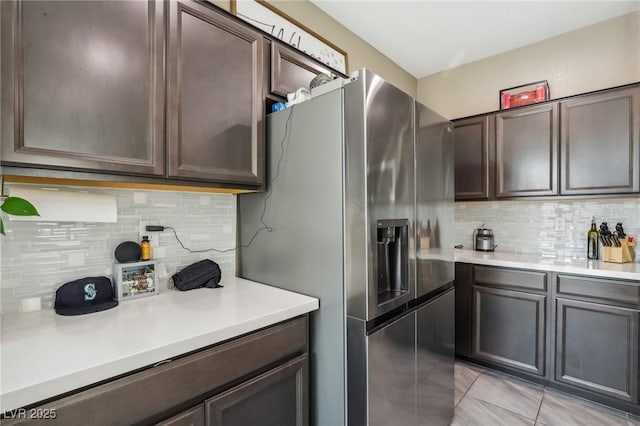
[
  {"x": 599, "y": 140},
  {"x": 474, "y": 158},
  {"x": 581, "y": 145},
  {"x": 527, "y": 151},
  {"x": 291, "y": 70},
  {"x": 215, "y": 107},
  {"x": 83, "y": 85}
]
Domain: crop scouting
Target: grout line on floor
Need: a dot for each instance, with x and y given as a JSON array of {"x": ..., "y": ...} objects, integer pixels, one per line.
[
  {"x": 467, "y": 390},
  {"x": 540, "y": 406},
  {"x": 589, "y": 403},
  {"x": 502, "y": 408}
]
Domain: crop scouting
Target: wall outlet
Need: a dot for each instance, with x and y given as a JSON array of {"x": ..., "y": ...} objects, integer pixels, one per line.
[{"x": 142, "y": 231}]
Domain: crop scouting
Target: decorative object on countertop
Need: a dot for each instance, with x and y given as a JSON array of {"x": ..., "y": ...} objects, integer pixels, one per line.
[
  {"x": 205, "y": 273},
  {"x": 84, "y": 296},
  {"x": 145, "y": 248},
  {"x": 135, "y": 279},
  {"x": 617, "y": 246},
  {"x": 592, "y": 241},
  {"x": 483, "y": 239},
  {"x": 621, "y": 251},
  {"x": 128, "y": 251},
  {"x": 524, "y": 95}
]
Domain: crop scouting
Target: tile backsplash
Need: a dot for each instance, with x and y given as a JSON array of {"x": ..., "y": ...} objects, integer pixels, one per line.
[
  {"x": 37, "y": 257},
  {"x": 554, "y": 228}
]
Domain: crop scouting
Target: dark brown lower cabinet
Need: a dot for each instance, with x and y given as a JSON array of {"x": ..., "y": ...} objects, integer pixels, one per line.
[
  {"x": 275, "y": 398},
  {"x": 192, "y": 417},
  {"x": 262, "y": 374},
  {"x": 597, "y": 348},
  {"x": 579, "y": 334},
  {"x": 509, "y": 328},
  {"x": 502, "y": 317}
]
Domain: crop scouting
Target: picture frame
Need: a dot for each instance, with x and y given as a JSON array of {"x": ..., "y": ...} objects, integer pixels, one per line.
[
  {"x": 135, "y": 279},
  {"x": 525, "y": 94},
  {"x": 278, "y": 24}
]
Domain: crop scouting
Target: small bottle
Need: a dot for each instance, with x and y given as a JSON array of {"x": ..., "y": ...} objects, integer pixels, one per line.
[
  {"x": 592, "y": 241},
  {"x": 145, "y": 248}
]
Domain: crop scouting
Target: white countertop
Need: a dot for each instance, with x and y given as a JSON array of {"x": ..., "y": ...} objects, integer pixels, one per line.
[
  {"x": 44, "y": 354},
  {"x": 597, "y": 268}
]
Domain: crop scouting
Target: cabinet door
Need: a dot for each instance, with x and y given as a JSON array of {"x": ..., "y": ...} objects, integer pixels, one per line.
[
  {"x": 83, "y": 85},
  {"x": 276, "y": 398},
  {"x": 509, "y": 328},
  {"x": 192, "y": 417},
  {"x": 600, "y": 137},
  {"x": 464, "y": 308},
  {"x": 291, "y": 70},
  {"x": 474, "y": 158},
  {"x": 527, "y": 151},
  {"x": 215, "y": 104},
  {"x": 434, "y": 360},
  {"x": 597, "y": 348}
]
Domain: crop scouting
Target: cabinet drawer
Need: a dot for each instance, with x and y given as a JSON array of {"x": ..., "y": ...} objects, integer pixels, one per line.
[
  {"x": 612, "y": 290},
  {"x": 532, "y": 280},
  {"x": 155, "y": 392}
]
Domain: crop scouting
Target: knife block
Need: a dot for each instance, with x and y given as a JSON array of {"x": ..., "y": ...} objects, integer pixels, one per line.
[{"x": 622, "y": 254}]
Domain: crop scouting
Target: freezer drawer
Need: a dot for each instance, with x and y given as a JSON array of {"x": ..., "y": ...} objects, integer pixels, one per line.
[
  {"x": 401, "y": 374},
  {"x": 381, "y": 373},
  {"x": 434, "y": 360}
]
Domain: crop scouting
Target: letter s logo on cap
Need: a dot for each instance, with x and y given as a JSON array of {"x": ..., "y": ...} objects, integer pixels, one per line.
[{"x": 90, "y": 291}]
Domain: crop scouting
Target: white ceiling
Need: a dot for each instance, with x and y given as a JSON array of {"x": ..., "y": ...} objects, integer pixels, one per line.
[{"x": 425, "y": 37}]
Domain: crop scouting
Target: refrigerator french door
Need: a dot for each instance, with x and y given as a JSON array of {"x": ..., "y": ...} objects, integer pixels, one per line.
[{"x": 341, "y": 209}]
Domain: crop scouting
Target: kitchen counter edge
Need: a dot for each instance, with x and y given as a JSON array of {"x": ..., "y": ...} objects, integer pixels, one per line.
[
  {"x": 44, "y": 354},
  {"x": 595, "y": 268}
]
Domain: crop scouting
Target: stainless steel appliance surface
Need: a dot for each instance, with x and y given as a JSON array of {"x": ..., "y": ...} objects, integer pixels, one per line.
[
  {"x": 483, "y": 239},
  {"x": 359, "y": 207}
]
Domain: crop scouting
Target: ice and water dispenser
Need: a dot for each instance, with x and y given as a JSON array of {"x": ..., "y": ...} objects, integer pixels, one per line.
[{"x": 393, "y": 259}]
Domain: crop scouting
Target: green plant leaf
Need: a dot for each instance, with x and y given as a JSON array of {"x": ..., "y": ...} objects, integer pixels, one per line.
[
  {"x": 19, "y": 207},
  {"x": 2, "y": 227}
]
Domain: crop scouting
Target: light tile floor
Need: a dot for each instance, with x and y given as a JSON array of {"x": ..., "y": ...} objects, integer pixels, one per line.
[{"x": 485, "y": 397}]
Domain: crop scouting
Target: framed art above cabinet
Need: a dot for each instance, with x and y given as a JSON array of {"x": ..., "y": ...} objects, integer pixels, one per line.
[{"x": 278, "y": 25}]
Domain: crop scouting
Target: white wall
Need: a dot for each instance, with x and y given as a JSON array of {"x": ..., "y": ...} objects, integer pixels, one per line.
[{"x": 592, "y": 58}]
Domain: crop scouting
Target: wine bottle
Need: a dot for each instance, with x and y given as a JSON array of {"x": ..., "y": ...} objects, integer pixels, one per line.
[{"x": 592, "y": 241}]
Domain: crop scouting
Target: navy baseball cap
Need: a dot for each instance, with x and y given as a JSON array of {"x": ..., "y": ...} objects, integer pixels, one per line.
[{"x": 83, "y": 296}]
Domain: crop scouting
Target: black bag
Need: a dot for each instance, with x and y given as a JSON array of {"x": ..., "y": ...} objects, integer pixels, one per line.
[{"x": 205, "y": 273}]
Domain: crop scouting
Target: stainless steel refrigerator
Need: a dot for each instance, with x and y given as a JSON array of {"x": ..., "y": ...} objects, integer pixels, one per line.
[{"x": 359, "y": 207}]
